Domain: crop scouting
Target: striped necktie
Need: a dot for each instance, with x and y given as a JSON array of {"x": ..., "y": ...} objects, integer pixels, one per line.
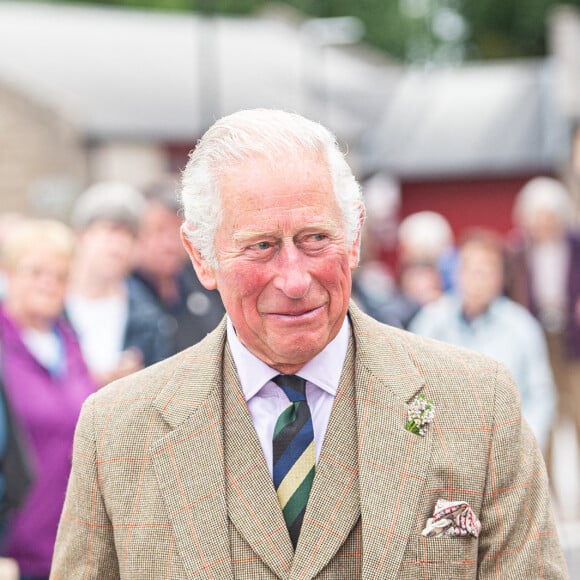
[{"x": 293, "y": 454}]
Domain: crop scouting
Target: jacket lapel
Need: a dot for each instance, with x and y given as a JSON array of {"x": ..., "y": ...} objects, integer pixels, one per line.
[
  {"x": 188, "y": 461},
  {"x": 393, "y": 462},
  {"x": 194, "y": 482},
  {"x": 252, "y": 503}
]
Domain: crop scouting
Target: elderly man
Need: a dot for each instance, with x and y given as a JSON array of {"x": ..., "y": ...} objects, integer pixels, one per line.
[{"x": 301, "y": 439}]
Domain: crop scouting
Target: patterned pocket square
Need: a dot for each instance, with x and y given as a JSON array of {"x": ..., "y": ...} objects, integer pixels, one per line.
[{"x": 452, "y": 518}]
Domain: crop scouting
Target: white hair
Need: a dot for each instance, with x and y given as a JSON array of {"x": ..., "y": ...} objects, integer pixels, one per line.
[
  {"x": 543, "y": 194},
  {"x": 113, "y": 201},
  {"x": 274, "y": 136},
  {"x": 425, "y": 232}
]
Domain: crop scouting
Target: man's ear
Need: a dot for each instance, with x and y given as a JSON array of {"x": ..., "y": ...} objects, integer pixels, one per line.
[
  {"x": 205, "y": 272},
  {"x": 354, "y": 256}
]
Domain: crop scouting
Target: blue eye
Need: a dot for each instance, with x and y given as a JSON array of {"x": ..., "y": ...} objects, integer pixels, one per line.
[
  {"x": 315, "y": 242},
  {"x": 261, "y": 247},
  {"x": 316, "y": 238}
]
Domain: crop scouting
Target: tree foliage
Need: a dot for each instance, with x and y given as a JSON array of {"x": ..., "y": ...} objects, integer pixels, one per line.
[{"x": 494, "y": 28}]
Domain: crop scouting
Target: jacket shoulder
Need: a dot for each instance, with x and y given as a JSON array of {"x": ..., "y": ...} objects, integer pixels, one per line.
[{"x": 447, "y": 372}]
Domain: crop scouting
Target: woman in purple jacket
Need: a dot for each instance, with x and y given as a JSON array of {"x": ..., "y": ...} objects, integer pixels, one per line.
[{"x": 46, "y": 380}]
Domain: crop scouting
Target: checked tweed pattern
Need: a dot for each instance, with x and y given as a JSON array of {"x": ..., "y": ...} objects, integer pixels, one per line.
[
  {"x": 293, "y": 454},
  {"x": 169, "y": 480}
]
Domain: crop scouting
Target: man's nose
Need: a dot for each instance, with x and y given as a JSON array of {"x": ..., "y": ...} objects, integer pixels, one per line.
[{"x": 292, "y": 276}]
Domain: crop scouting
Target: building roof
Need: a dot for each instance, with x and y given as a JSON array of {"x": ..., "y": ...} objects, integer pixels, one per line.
[
  {"x": 478, "y": 119},
  {"x": 127, "y": 73}
]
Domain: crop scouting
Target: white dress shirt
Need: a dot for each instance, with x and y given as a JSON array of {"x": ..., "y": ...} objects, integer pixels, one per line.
[{"x": 266, "y": 400}]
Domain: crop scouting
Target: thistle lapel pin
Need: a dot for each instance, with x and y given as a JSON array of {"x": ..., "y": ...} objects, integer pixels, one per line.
[
  {"x": 421, "y": 413},
  {"x": 452, "y": 518}
]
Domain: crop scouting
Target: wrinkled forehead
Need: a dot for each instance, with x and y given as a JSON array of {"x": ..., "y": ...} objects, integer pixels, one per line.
[
  {"x": 296, "y": 191},
  {"x": 306, "y": 172}
]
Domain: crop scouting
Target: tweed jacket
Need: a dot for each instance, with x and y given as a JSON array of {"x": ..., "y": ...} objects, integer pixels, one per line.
[{"x": 169, "y": 481}]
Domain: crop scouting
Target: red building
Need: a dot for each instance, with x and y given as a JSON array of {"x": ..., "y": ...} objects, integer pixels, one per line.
[{"x": 462, "y": 141}]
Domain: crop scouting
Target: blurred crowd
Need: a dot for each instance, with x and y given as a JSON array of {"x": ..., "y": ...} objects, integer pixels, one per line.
[
  {"x": 83, "y": 303},
  {"x": 111, "y": 292},
  {"x": 515, "y": 297}
]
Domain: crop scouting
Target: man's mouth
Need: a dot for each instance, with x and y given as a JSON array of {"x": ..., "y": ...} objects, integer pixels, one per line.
[{"x": 302, "y": 315}]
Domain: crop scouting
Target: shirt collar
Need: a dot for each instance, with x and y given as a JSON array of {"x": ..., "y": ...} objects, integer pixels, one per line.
[{"x": 324, "y": 370}]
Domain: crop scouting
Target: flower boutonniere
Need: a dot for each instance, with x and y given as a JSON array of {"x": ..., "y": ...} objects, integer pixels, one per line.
[{"x": 421, "y": 413}]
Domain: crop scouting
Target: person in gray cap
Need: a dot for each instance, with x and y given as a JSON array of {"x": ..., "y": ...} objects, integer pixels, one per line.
[{"x": 117, "y": 327}]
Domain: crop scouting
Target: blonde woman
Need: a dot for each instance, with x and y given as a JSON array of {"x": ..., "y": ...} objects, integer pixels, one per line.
[{"x": 45, "y": 377}]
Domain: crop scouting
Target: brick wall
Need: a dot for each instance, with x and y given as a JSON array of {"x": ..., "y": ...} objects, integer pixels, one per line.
[{"x": 42, "y": 159}]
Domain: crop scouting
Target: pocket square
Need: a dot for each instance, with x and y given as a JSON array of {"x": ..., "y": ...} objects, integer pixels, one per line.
[{"x": 452, "y": 518}]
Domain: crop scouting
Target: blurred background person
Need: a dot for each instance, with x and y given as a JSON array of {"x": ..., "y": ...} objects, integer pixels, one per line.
[
  {"x": 480, "y": 318},
  {"x": 426, "y": 255},
  {"x": 16, "y": 476},
  {"x": 45, "y": 378},
  {"x": 426, "y": 258},
  {"x": 545, "y": 277},
  {"x": 374, "y": 288},
  {"x": 166, "y": 276},
  {"x": 375, "y": 292},
  {"x": 420, "y": 283},
  {"x": 425, "y": 237},
  {"x": 16, "y": 473},
  {"x": 395, "y": 301},
  {"x": 118, "y": 327}
]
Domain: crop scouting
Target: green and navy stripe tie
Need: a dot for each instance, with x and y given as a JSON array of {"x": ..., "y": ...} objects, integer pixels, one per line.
[{"x": 293, "y": 454}]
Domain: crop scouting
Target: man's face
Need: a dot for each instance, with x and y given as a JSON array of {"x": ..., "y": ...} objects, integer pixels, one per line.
[
  {"x": 37, "y": 284},
  {"x": 109, "y": 247},
  {"x": 160, "y": 251},
  {"x": 480, "y": 277},
  {"x": 284, "y": 271},
  {"x": 545, "y": 225}
]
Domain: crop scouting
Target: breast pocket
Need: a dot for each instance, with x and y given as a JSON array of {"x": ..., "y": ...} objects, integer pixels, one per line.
[{"x": 441, "y": 558}]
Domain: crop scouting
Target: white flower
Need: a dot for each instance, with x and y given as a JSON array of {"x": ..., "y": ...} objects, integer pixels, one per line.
[{"x": 421, "y": 413}]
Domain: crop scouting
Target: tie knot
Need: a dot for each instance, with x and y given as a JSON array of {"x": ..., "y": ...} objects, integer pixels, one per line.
[{"x": 293, "y": 386}]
